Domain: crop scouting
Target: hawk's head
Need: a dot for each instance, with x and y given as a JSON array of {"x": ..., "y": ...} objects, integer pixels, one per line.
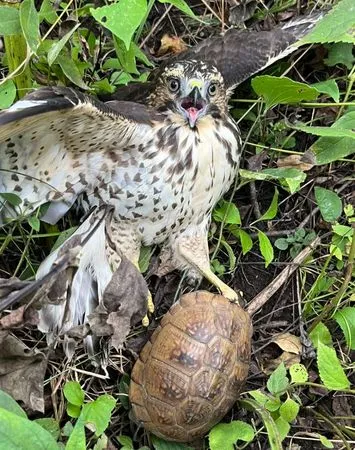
[{"x": 192, "y": 89}]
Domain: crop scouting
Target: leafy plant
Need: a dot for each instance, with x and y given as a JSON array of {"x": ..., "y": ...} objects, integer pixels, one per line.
[{"x": 296, "y": 242}]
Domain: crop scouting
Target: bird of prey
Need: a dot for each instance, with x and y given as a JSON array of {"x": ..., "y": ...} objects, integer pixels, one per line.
[{"x": 161, "y": 154}]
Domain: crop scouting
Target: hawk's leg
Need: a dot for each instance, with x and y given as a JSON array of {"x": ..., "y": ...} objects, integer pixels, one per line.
[
  {"x": 124, "y": 240},
  {"x": 194, "y": 250}
]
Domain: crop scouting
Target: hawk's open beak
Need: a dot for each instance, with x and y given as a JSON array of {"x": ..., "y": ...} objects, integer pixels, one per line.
[{"x": 194, "y": 106}]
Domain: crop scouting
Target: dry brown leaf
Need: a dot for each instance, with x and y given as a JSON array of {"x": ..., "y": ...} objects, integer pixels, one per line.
[
  {"x": 289, "y": 343},
  {"x": 171, "y": 44},
  {"x": 22, "y": 371},
  {"x": 294, "y": 161}
]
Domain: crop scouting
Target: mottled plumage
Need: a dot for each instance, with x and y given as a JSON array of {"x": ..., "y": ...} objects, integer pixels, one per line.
[{"x": 162, "y": 161}]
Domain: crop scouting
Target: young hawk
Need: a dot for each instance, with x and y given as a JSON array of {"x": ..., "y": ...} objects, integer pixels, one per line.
[{"x": 162, "y": 161}]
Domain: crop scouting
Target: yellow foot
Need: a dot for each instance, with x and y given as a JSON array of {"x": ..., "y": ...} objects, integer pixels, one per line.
[
  {"x": 230, "y": 294},
  {"x": 150, "y": 307}
]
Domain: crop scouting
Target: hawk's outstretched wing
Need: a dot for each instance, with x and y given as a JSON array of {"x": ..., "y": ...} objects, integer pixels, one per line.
[{"x": 58, "y": 142}]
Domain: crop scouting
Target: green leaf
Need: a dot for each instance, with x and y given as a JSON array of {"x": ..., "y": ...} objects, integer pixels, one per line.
[
  {"x": 340, "y": 53},
  {"x": 328, "y": 87},
  {"x": 272, "y": 209},
  {"x": 329, "y": 203},
  {"x": 259, "y": 396},
  {"x": 282, "y": 90},
  {"x": 19, "y": 433},
  {"x": 224, "y": 435},
  {"x": 77, "y": 439},
  {"x": 325, "y": 131},
  {"x": 281, "y": 244},
  {"x": 30, "y": 24},
  {"x": 325, "y": 441},
  {"x": 9, "y": 21},
  {"x": 7, "y": 94},
  {"x": 34, "y": 222},
  {"x": 227, "y": 212},
  {"x": 273, "y": 404},
  {"x": 51, "y": 425},
  {"x": 278, "y": 381},
  {"x": 74, "y": 393},
  {"x": 11, "y": 405},
  {"x": 160, "y": 444},
  {"x": 283, "y": 426},
  {"x": 122, "y": 18},
  {"x": 98, "y": 413},
  {"x": 231, "y": 255},
  {"x": 71, "y": 71},
  {"x": 265, "y": 248},
  {"x": 73, "y": 410},
  {"x": 328, "y": 29},
  {"x": 144, "y": 258},
  {"x": 346, "y": 320},
  {"x": 273, "y": 174},
  {"x": 328, "y": 149},
  {"x": 125, "y": 441},
  {"x": 343, "y": 230},
  {"x": 13, "y": 199},
  {"x": 182, "y": 5},
  {"x": 298, "y": 373},
  {"x": 57, "y": 47},
  {"x": 330, "y": 370},
  {"x": 289, "y": 410},
  {"x": 47, "y": 12},
  {"x": 246, "y": 241},
  {"x": 320, "y": 333}
]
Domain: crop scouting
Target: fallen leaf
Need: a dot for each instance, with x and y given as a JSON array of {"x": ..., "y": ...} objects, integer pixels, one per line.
[
  {"x": 294, "y": 161},
  {"x": 289, "y": 343},
  {"x": 171, "y": 44},
  {"x": 286, "y": 357},
  {"x": 22, "y": 371}
]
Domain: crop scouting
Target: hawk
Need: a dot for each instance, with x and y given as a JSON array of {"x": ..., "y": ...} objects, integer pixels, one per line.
[{"x": 161, "y": 154}]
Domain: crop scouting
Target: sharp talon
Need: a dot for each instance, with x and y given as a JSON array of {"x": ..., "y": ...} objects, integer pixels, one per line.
[{"x": 145, "y": 321}]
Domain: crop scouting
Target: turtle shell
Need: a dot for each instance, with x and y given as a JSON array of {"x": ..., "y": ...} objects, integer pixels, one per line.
[{"x": 192, "y": 370}]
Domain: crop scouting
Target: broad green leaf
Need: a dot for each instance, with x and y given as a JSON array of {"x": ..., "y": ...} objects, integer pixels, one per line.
[
  {"x": 325, "y": 131},
  {"x": 227, "y": 212},
  {"x": 34, "y": 222},
  {"x": 246, "y": 241},
  {"x": 74, "y": 393},
  {"x": 328, "y": 149},
  {"x": 224, "y": 435},
  {"x": 30, "y": 24},
  {"x": 98, "y": 413},
  {"x": 259, "y": 396},
  {"x": 125, "y": 441},
  {"x": 298, "y": 373},
  {"x": 51, "y": 425},
  {"x": 144, "y": 258},
  {"x": 9, "y": 21},
  {"x": 282, "y": 90},
  {"x": 343, "y": 230},
  {"x": 11, "y": 405},
  {"x": 71, "y": 71},
  {"x": 340, "y": 53},
  {"x": 271, "y": 212},
  {"x": 265, "y": 248},
  {"x": 47, "y": 12},
  {"x": 73, "y": 410},
  {"x": 269, "y": 174},
  {"x": 58, "y": 46},
  {"x": 281, "y": 244},
  {"x": 325, "y": 441},
  {"x": 77, "y": 439},
  {"x": 328, "y": 29},
  {"x": 320, "y": 333},
  {"x": 346, "y": 320},
  {"x": 122, "y": 18},
  {"x": 13, "y": 199},
  {"x": 328, "y": 87},
  {"x": 273, "y": 404},
  {"x": 289, "y": 410},
  {"x": 283, "y": 426},
  {"x": 329, "y": 203},
  {"x": 330, "y": 370},
  {"x": 7, "y": 94},
  {"x": 19, "y": 433},
  {"x": 160, "y": 444},
  {"x": 278, "y": 381},
  {"x": 182, "y": 5}
]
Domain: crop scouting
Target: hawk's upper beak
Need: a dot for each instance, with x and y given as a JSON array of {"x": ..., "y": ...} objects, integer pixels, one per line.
[{"x": 193, "y": 106}]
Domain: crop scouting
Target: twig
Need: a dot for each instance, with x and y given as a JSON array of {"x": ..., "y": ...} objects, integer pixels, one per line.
[{"x": 263, "y": 296}]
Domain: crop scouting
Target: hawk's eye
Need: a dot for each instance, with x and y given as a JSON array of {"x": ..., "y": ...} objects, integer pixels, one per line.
[
  {"x": 173, "y": 85},
  {"x": 212, "y": 89}
]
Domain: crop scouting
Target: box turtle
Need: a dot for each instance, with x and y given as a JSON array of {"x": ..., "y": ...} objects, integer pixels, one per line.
[{"x": 191, "y": 371}]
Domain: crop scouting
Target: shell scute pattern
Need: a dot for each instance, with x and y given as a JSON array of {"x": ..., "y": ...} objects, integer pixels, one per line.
[{"x": 193, "y": 370}]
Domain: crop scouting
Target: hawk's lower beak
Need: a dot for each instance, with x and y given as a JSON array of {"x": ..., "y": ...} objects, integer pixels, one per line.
[{"x": 193, "y": 106}]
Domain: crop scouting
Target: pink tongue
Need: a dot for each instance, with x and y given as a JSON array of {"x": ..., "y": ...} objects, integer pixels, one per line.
[{"x": 193, "y": 112}]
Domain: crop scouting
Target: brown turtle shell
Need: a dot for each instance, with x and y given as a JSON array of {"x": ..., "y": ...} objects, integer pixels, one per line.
[{"x": 193, "y": 368}]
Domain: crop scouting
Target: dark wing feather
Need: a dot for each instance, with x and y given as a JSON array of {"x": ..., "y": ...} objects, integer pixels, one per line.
[{"x": 58, "y": 142}]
